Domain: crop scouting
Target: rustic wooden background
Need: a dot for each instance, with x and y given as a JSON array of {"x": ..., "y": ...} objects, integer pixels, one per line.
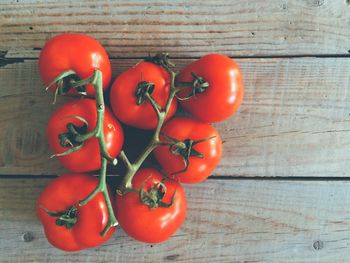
[{"x": 280, "y": 193}]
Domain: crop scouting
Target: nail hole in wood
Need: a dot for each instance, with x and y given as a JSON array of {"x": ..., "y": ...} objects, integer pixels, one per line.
[
  {"x": 27, "y": 236},
  {"x": 319, "y": 2},
  {"x": 318, "y": 245}
]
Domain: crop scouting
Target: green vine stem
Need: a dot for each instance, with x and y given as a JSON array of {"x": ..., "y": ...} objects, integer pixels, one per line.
[
  {"x": 198, "y": 85},
  {"x": 132, "y": 168},
  {"x": 96, "y": 81}
]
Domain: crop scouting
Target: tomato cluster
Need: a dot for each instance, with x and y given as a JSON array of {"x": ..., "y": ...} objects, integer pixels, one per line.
[{"x": 76, "y": 209}]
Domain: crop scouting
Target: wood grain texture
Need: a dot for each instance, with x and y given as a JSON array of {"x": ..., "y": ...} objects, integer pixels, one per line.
[
  {"x": 295, "y": 119},
  {"x": 135, "y": 28},
  {"x": 227, "y": 221}
]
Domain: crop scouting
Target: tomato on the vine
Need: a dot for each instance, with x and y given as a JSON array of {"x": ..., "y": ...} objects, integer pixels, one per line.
[
  {"x": 128, "y": 99},
  {"x": 155, "y": 213},
  {"x": 194, "y": 151},
  {"x": 222, "y": 93},
  {"x": 77, "y": 52},
  {"x": 67, "y": 225},
  {"x": 68, "y": 122}
]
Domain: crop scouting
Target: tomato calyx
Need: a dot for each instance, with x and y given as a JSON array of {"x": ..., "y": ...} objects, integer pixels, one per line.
[
  {"x": 69, "y": 82},
  {"x": 69, "y": 138},
  {"x": 66, "y": 81},
  {"x": 198, "y": 85},
  {"x": 144, "y": 89},
  {"x": 67, "y": 218},
  {"x": 154, "y": 196},
  {"x": 74, "y": 137},
  {"x": 161, "y": 59},
  {"x": 184, "y": 148}
]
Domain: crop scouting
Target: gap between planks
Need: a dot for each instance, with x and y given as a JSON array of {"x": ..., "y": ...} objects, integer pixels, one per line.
[
  {"x": 5, "y": 57},
  {"x": 5, "y": 60},
  {"x": 214, "y": 177}
]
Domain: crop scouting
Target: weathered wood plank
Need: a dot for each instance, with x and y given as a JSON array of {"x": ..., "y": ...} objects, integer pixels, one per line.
[
  {"x": 228, "y": 221},
  {"x": 295, "y": 119},
  {"x": 135, "y": 28}
]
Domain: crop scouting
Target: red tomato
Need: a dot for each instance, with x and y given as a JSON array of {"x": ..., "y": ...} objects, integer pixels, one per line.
[
  {"x": 77, "y": 52},
  {"x": 151, "y": 225},
  {"x": 124, "y": 101},
  {"x": 225, "y": 92},
  {"x": 88, "y": 157},
  {"x": 63, "y": 194},
  {"x": 186, "y": 129}
]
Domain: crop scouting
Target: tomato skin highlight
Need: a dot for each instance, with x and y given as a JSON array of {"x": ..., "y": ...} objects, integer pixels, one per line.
[
  {"x": 66, "y": 191},
  {"x": 88, "y": 157},
  {"x": 151, "y": 225},
  {"x": 224, "y": 94},
  {"x": 77, "y": 52},
  {"x": 123, "y": 99},
  {"x": 199, "y": 169}
]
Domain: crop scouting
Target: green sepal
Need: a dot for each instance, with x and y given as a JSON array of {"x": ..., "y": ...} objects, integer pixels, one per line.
[
  {"x": 161, "y": 59},
  {"x": 143, "y": 87},
  {"x": 153, "y": 197},
  {"x": 184, "y": 149}
]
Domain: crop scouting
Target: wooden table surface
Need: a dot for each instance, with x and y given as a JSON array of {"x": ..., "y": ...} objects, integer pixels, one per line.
[{"x": 281, "y": 191}]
